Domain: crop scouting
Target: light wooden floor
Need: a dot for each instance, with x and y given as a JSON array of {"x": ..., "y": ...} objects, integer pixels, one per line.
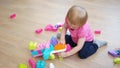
[{"x": 33, "y": 14}]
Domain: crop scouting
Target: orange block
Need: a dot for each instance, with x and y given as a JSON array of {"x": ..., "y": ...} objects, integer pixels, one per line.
[{"x": 59, "y": 46}]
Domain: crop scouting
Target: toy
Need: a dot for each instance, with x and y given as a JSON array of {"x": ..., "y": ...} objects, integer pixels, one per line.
[
  {"x": 97, "y": 32},
  {"x": 59, "y": 25},
  {"x": 51, "y": 65},
  {"x": 47, "y": 51},
  {"x": 41, "y": 64},
  {"x": 68, "y": 47},
  {"x": 59, "y": 46},
  {"x": 32, "y": 45},
  {"x": 60, "y": 29},
  {"x": 36, "y": 53},
  {"x": 13, "y": 16},
  {"x": 38, "y": 31},
  {"x": 53, "y": 41},
  {"x": 43, "y": 45},
  {"x": 116, "y": 60},
  {"x": 50, "y": 28},
  {"x": 114, "y": 53},
  {"x": 21, "y": 65},
  {"x": 51, "y": 57},
  {"x": 32, "y": 63}
]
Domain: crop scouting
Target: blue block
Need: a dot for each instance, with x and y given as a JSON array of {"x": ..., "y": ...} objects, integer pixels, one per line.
[
  {"x": 34, "y": 52},
  {"x": 46, "y": 52},
  {"x": 41, "y": 64}
]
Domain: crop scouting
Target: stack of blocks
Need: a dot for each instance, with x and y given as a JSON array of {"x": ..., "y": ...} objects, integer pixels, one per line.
[{"x": 48, "y": 48}]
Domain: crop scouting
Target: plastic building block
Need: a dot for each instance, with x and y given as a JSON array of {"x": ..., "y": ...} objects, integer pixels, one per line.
[
  {"x": 68, "y": 48},
  {"x": 59, "y": 46},
  {"x": 53, "y": 41},
  {"x": 60, "y": 58},
  {"x": 60, "y": 29},
  {"x": 116, "y": 60},
  {"x": 32, "y": 45},
  {"x": 21, "y": 65},
  {"x": 36, "y": 53},
  {"x": 32, "y": 63},
  {"x": 51, "y": 65},
  {"x": 43, "y": 45},
  {"x": 47, "y": 51},
  {"x": 13, "y": 16},
  {"x": 52, "y": 57},
  {"x": 114, "y": 53},
  {"x": 38, "y": 31},
  {"x": 59, "y": 25},
  {"x": 50, "y": 28},
  {"x": 41, "y": 64},
  {"x": 97, "y": 31}
]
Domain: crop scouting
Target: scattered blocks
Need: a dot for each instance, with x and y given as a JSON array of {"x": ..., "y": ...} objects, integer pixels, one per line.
[
  {"x": 114, "y": 53},
  {"x": 50, "y": 28},
  {"x": 116, "y": 60},
  {"x": 41, "y": 64},
  {"x": 13, "y": 16},
  {"x": 21, "y": 65},
  {"x": 32, "y": 63},
  {"x": 97, "y": 31},
  {"x": 38, "y": 31},
  {"x": 32, "y": 45}
]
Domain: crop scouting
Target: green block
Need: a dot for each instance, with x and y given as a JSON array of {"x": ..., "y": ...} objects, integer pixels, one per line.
[
  {"x": 117, "y": 60},
  {"x": 52, "y": 57},
  {"x": 32, "y": 45},
  {"x": 21, "y": 65}
]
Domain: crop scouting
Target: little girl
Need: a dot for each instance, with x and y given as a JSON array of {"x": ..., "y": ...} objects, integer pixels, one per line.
[{"x": 81, "y": 37}]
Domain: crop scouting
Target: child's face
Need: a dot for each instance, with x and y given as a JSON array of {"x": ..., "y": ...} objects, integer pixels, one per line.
[{"x": 73, "y": 26}]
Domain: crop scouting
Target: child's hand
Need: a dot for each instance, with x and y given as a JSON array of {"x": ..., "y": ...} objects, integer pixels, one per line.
[{"x": 62, "y": 54}]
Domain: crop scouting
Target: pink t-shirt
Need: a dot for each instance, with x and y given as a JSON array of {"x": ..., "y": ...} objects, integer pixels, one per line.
[{"x": 81, "y": 32}]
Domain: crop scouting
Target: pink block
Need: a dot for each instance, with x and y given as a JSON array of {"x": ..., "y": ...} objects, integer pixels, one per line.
[
  {"x": 47, "y": 44},
  {"x": 68, "y": 48},
  {"x": 50, "y": 28},
  {"x": 40, "y": 46},
  {"x": 43, "y": 45},
  {"x": 12, "y": 16},
  {"x": 32, "y": 63},
  {"x": 38, "y": 31},
  {"x": 97, "y": 31}
]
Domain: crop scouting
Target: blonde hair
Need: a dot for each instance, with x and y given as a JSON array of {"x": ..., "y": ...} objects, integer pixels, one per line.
[{"x": 77, "y": 15}]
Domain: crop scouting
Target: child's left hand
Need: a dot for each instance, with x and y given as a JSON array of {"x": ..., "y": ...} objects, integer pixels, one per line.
[{"x": 62, "y": 54}]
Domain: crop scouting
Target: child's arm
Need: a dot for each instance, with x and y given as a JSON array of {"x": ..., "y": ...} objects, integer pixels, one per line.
[
  {"x": 63, "y": 33},
  {"x": 75, "y": 49}
]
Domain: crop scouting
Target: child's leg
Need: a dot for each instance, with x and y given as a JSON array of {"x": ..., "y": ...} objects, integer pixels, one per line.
[
  {"x": 68, "y": 40},
  {"x": 100, "y": 43},
  {"x": 88, "y": 49}
]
